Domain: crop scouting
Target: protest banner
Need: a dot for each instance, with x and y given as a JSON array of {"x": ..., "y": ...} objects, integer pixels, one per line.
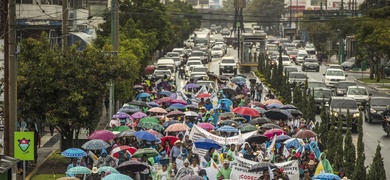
[{"x": 240, "y": 168}]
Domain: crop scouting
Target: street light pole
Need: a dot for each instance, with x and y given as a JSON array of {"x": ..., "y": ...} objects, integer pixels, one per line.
[{"x": 115, "y": 45}]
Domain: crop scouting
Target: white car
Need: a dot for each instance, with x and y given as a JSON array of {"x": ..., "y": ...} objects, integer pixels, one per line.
[
  {"x": 217, "y": 51},
  {"x": 302, "y": 54},
  {"x": 228, "y": 65},
  {"x": 333, "y": 76},
  {"x": 191, "y": 63},
  {"x": 359, "y": 93},
  {"x": 286, "y": 61}
]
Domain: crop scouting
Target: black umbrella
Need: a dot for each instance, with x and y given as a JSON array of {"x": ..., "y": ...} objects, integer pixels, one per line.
[
  {"x": 288, "y": 106},
  {"x": 259, "y": 120},
  {"x": 243, "y": 125},
  {"x": 240, "y": 75},
  {"x": 224, "y": 78},
  {"x": 132, "y": 165},
  {"x": 242, "y": 119},
  {"x": 295, "y": 112},
  {"x": 276, "y": 114},
  {"x": 259, "y": 139},
  {"x": 139, "y": 103},
  {"x": 261, "y": 166},
  {"x": 270, "y": 126},
  {"x": 193, "y": 107},
  {"x": 227, "y": 122}
]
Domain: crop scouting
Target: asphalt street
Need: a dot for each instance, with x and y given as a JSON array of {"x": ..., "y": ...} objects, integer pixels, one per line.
[{"x": 373, "y": 133}]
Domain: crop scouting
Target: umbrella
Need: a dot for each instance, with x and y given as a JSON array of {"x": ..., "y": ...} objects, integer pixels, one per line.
[
  {"x": 191, "y": 114},
  {"x": 257, "y": 138},
  {"x": 164, "y": 100},
  {"x": 149, "y": 119},
  {"x": 155, "y": 133},
  {"x": 206, "y": 126},
  {"x": 288, "y": 106},
  {"x": 224, "y": 78},
  {"x": 192, "y": 177},
  {"x": 108, "y": 168},
  {"x": 276, "y": 114},
  {"x": 150, "y": 125},
  {"x": 78, "y": 170},
  {"x": 117, "y": 177},
  {"x": 150, "y": 69},
  {"x": 270, "y": 126},
  {"x": 143, "y": 135},
  {"x": 178, "y": 101},
  {"x": 192, "y": 107},
  {"x": 157, "y": 110},
  {"x": 261, "y": 166},
  {"x": 243, "y": 125},
  {"x": 242, "y": 119},
  {"x": 227, "y": 102},
  {"x": 227, "y": 128},
  {"x": 115, "y": 151},
  {"x": 295, "y": 112},
  {"x": 175, "y": 113},
  {"x": 246, "y": 111},
  {"x": 165, "y": 93},
  {"x": 143, "y": 95},
  {"x": 260, "y": 110},
  {"x": 138, "y": 87},
  {"x": 238, "y": 79},
  {"x": 227, "y": 114},
  {"x": 227, "y": 122},
  {"x": 190, "y": 86},
  {"x": 203, "y": 95},
  {"x": 177, "y": 106},
  {"x": 270, "y": 133},
  {"x": 177, "y": 127},
  {"x": 305, "y": 134},
  {"x": 327, "y": 176},
  {"x": 171, "y": 139},
  {"x": 272, "y": 101},
  {"x": 139, "y": 103},
  {"x": 68, "y": 178},
  {"x": 294, "y": 142},
  {"x": 138, "y": 115},
  {"x": 248, "y": 128},
  {"x": 74, "y": 153},
  {"x": 152, "y": 104},
  {"x": 282, "y": 138},
  {"x": 95, "y": 144},
  {"x": 150, "y": 152},
  {"x": 127, "y": 133},
  {"x": 121, "y": 115},
  {"x": 121, "y": 128},
  {"x": 170, "y": 122},
  {"x": 259, "y": 120},
  {"x": 256, "y": 103},
  {"x": 274, "y": 105},
  {"x": 205, "y": 143},
  {"x": 132, "y": 165},
  {"x": 104, "y": 135},
  {"x": 128, "y": 109}
]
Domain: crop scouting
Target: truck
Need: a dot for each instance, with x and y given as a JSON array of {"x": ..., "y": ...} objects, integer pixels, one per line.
[{"x": 228, "y": 65}]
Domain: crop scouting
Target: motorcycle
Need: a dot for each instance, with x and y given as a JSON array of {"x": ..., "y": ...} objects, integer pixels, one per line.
[{"x": 386, "y": 125}]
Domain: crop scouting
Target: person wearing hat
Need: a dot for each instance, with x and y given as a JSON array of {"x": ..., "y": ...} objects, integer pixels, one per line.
[
  {"x": 207, "y": 117},
  {"x": 306, "y": 175},
  {"x": 185, "y": 170},
  {"x": 278, "y": 174},
  {"x": 175, "y": 151},
  {"x": 94, "y": 175},
  {"x": 225, "y": 172},
  {"x": 105, "y": 160},
  {"x": 312, "y": 168}
]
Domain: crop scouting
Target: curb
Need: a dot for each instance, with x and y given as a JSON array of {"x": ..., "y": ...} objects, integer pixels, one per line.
[
  {"x": 374, "y": 88},
  {"x": 34, "y": 171}
]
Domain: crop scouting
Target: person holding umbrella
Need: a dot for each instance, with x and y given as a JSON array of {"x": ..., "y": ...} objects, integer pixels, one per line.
[
  {"x": 72, "y": 165},
  {"x": 95, "y": 175},
  {"x": 225, "y": 172},
  {"x": 105, "y": 160},
  {"x": 145, "y": 174}
]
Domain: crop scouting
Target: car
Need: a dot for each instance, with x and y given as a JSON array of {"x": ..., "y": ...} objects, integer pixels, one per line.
[
  {"x": 310, "y": 49},
  {"x": 192, "y": 63},
  {"x": 348, "y": 64},
  {"x": 176, "y": 58},
  {"x": 228, "y": 65},
  {"x": 222, "y": 44},
  {"x": 181, "y": 51},
  {"x": 315, "y": 84},
  {"x": 296, "y": 77},
  {"x": 310, "y": 64},
  {"x": 375, "y": 108},
  {"x": 159, "y": 74},
  {"x": 195, "y": 76},
  {"x": 334, "y": 66},
  {"x": 321, "y": 95},
  {"x": 286, "y": 61},
  {"x": 225, "y": 32},
  {"x": 302, "y": 54},
  {"x": 217, "y": 51},
  {"x": 201, "y": 55},
  {"x": 359, "y": 93},
  {"x": 288, "y": 69},
  {"x": 341, "y": 87},
  {"x": 333, "y": 76},
  {"x": 289, "y": 50},
  {"x": 293, "y": 54},
  {"x": 340, "y": 106}
]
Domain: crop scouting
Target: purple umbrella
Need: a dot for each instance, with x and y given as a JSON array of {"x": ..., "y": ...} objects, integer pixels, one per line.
[
  {"x": 190, "y": 86},
  {"x": 138, "y": 115},
  {"x": 121, "y": 115},
  {"x": 102, "y": 134},
  {"x": 274, "y": 105},
  {"x": 178, "y": 101}
]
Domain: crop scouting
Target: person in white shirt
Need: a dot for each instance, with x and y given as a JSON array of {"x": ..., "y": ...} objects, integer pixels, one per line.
[{"x": 195, "y": 166}]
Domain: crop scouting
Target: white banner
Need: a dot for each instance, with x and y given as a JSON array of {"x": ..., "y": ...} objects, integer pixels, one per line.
[{"x": 241, "y": 166}]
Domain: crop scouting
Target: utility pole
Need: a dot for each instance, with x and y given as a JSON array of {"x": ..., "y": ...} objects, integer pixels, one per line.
[
  {"x": 64, "y": 24},
  {"x": 115, "y": 45},
  {"x": 7, "y": 130},
  {"x": 13, "y": 74}
]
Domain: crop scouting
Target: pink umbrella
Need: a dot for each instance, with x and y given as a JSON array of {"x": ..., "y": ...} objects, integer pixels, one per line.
[
  {"x": 115, "y": 151},
  {"x": 138, "y": 115},
  {"x": 164, "y": 100},
  {"x": 155, "y": 133},
  {"x": 206, "y": 126},
  {"x": 178, "y": 101},
  {"x": 114, "y": 122},
  {"x": 104, "y": 135},
  {"x": 177, "y": 127},
  {"x": 157, "y": 110},
  {"x": 270, "y": 133}
]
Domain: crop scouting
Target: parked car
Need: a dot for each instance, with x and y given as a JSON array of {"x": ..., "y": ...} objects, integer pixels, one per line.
[
  {"x": 348, "y": 64},
  {"x": 310, "y": 64},
  {"x": 375, "y": 108}
]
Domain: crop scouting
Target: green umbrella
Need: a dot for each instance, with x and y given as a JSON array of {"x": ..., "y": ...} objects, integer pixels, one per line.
[
  {"x": 106, "y": 168},
  {"x": 149, "y": 125},
  {"x": 120, "y": 128},
  {"x": 150, "y": 152},
  {"x": 78, "y": 170},
  {"x": 248, "y": 128},
  {"x": 150, "y": 119}
]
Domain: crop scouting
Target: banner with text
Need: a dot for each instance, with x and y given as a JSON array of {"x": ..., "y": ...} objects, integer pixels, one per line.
[{"x": 240, "y": 168}]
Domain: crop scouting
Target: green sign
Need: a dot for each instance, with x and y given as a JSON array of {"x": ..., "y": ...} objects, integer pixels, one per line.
[{"x": 24, "y": 145}]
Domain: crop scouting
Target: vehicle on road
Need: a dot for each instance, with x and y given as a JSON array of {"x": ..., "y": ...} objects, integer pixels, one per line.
[
  {"x": 334, "y": 66},
  {"x": 217, "y": 51},
  {"x": 302, "y": 54},
  {"x": 375, "y": 108},
  {"x": 159, "y": 74},
  {"x": 333, "y": 76},
  {"x": 338, "y": 108},
  {"x": 228, "y": 65},
  {"x": 359, "y": 93},
  {"x": 201, "y": 55},
  {"x": 288, "y": 69},
  {"x": 166, "y": 63},
  {"x": 349, "y": 64},
  {"x": 195, "y": 76},
  {"x": 341, "y": 87},
  {"x": 181, "y": 51},
  {"x": 225, "y": 32},
  {"x": 286, "y": 61},
  {"x": 176, "y": 58},
  {"x": 296, "y": 78},
  {"x": 311, "y": 50},
  {"x": 191, "y": 63},
  {"x": 311, "y": 64},
  {"x": 199, "y": 68},
  {"x": 321, "y": 95}
]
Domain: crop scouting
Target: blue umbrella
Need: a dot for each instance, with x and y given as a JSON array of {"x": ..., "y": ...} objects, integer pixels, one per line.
[
  {"x": 288, "y": 106},
  {"x": 165, "y": 93},
  {"x": 227, "y": 102},
  {"x": 177, "y": 106},
  {"x": 121, "y": 115},
  {"x": 143, "y": 95},
  {"x": 327, "y": 176},
  {"x": 205, "y": 143},
  {"x": 106, "y": 168},
  {"x": 293, "y": 143},
  {"x": 168, "y": 123},
  {"x": 78, "y": 170},
  {"x": 143, "y": 135},
  {"x": 282, "y": 138},
  {"x": 241, "y": 83},
  {"x": 227, "y": 128},
  {"x": 238, "y": 79},
  {"x": 74, "y": 153},
  {"x": 274, "y": 105},
  {"x": 116, "y": 177},
  {"x": 153, "y": 104},
  {"x": 190, "y": 86}
]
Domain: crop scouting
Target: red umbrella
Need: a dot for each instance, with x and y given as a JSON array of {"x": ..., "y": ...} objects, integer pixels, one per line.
[
  {"x": 150, "y": 69},
  {"x": 157, "y": 110},
  {"x": 178, "y": 101},
  {"x": 203, "y": 95},
  {"x": 305, "y": 134},
  {"x": 175, "y": 113},
  {"x": 164, "y": 100},
  {"x": 270, "y": 133},
  {"x": 206, "y": 126},
  {"x": 246, "y": 111},
  {"x": 115, "y": 151},
  {"x": 171, "y": 139},
  {"x": 104, "y": 135}
]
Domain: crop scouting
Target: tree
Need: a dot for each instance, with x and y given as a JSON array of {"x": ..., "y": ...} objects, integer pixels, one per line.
[
  {"x": 349, "y": 148},
  {"x": 311, "y": 108},
  {"x": 338, "y": 146},
  {"x": 360, "y": 169},
  {"x": 323, "y": 131},
  {"x": 377, "y": 168},
  {"x": 286, "y": 90},
  {"x": 265, "y": 12},
  {"x": 331, "y": 140},
  {"x": 297, "y": 97}
]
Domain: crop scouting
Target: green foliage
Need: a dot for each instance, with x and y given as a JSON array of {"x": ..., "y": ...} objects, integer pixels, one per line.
[
  {"x": 331, "y": 140},
  {"x": 297, "y": 97},
  {"x": 316, "y": 127},
  {"x": 377, "y": 168},
  {"x": 311, "y": 108},
  {"x": 265, "y": 12},
  {"x": 349, "y": 148},
  {"x": 338, "y": 146},
  {"x": 360, "y": 170},
  {"x": 323, "y": 131}
]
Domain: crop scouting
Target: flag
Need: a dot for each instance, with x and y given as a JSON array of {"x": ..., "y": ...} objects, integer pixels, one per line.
[
  {"x": 270, "y": 149},
  {"x": 241, "y": 140},
  {"x": 202, "y": 90},
  {"x": 181, "y": 96},
  {"x": 232, "y": 85},
  {"x": 285, "y": 152},
  {"x": 92, "y": 156},
  {"x": 214, "y": 99},
  {"x": 157, "y": 82},
  {"x": 203, "y": 162},
  {"x": 271, "y": 173},
  {"x": 319, "y": 169}
]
